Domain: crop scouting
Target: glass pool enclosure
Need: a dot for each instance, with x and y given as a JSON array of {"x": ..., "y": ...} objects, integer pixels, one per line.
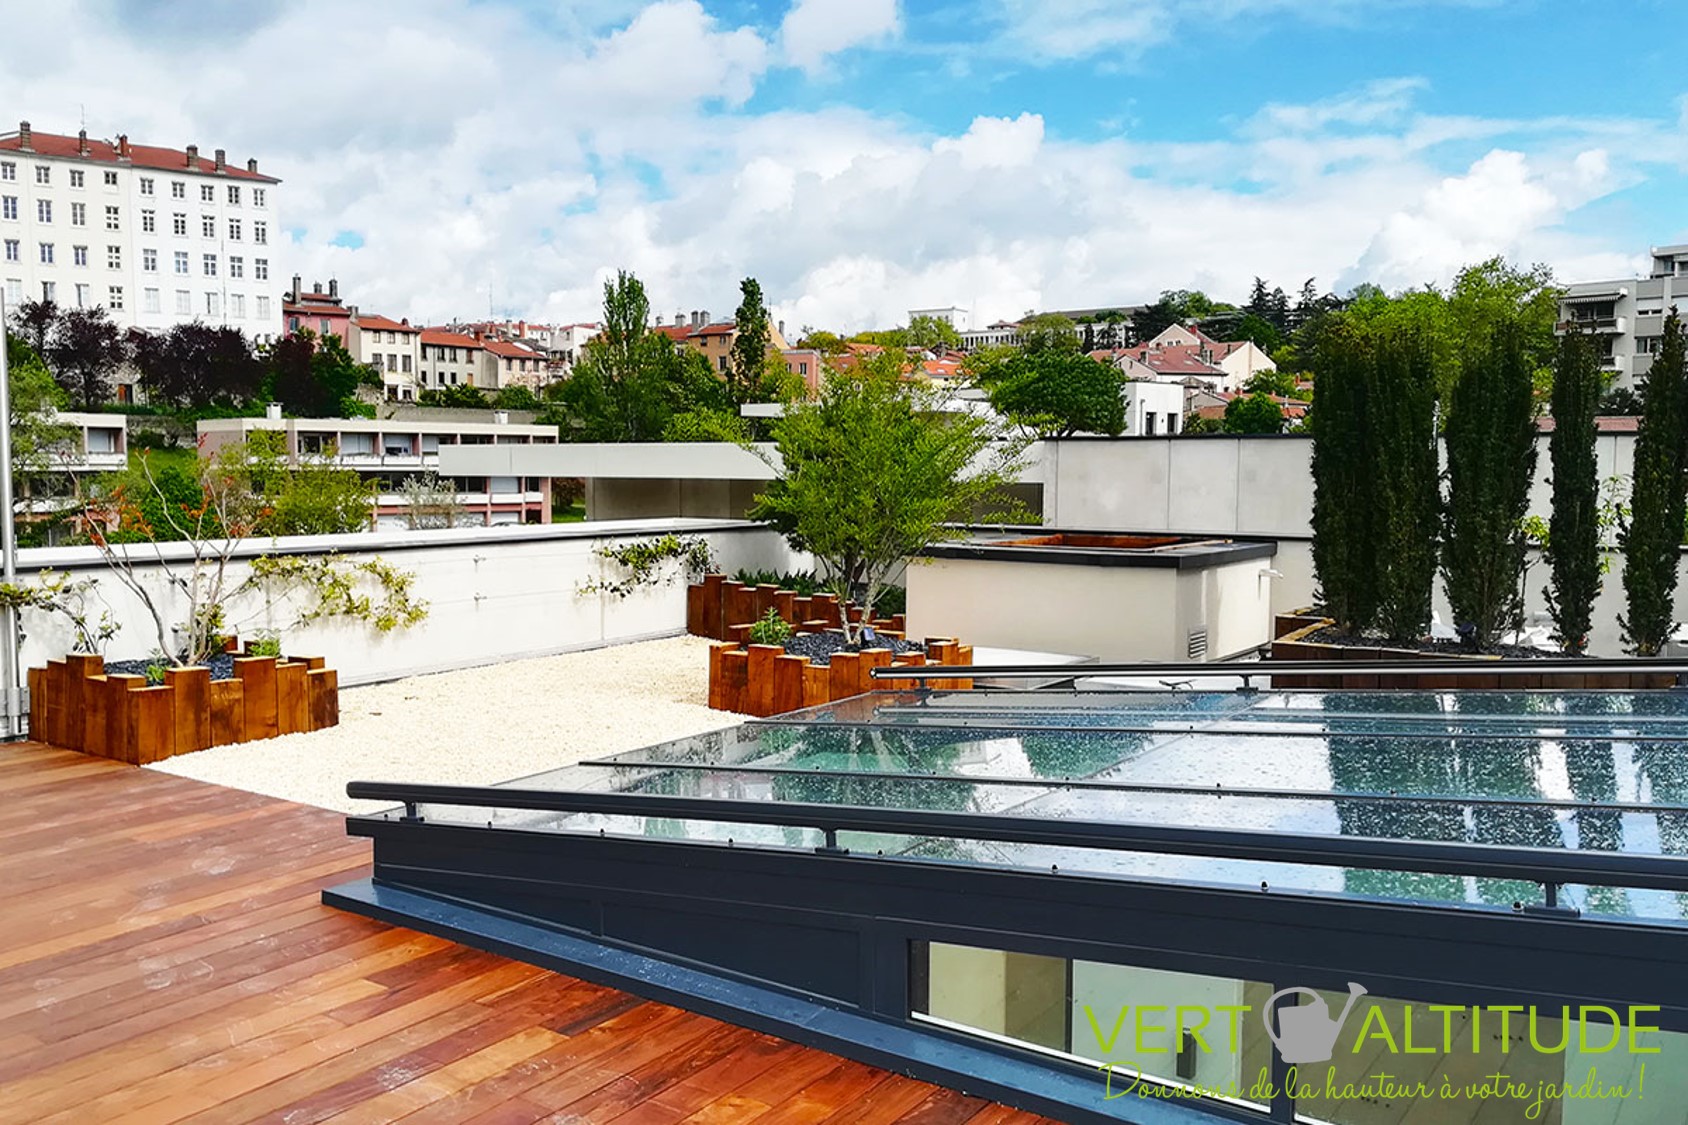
[{"x": 975, "y": 886}]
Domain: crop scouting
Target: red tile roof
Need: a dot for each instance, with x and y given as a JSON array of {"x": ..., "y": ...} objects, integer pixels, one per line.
[
  {"x": 512, "y": 351},
  {"x": 140, "y": 156},
  {"x": 724, "y": 328},
  {"x": 442, "y": 338},
  {"x": 1605, "y": 424},
  {"x": 384, "y": 324}
]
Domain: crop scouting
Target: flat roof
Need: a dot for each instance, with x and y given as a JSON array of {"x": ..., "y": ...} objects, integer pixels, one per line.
[{"x": 375, "y": 425}]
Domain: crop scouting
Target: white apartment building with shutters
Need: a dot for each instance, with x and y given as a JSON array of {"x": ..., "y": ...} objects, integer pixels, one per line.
[{"x": 158, "y": 236}]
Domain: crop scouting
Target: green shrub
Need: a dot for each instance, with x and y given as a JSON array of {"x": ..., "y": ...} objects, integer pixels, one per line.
[
  {"x": 802, "y": 583},
  {"x": 772, "y": 629}
]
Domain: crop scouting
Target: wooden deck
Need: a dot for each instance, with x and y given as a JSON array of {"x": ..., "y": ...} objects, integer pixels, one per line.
[{"x": 164, "y": 957}]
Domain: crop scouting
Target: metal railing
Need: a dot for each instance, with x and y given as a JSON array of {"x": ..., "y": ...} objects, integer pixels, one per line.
[
  {"x": 1548, "y": 867},
  {"x": 1250, "y": 669}
]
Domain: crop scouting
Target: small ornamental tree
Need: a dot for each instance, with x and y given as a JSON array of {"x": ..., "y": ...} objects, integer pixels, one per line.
[
  {"x": 1491, "y": 440},
  {"x": 1255, "y": 413},
  {"x": 750, "y": 345},
  {"x": 1406, "y": 516},
  {"x": 870, "y": 474},
  {"x": 1573, "y": 541},
  {"x": 1344, "y": 551},
  {"x": 1056, "y": 393},
  {"x": 85, "y": 351},
  {"x": 1652, "y": 535}
]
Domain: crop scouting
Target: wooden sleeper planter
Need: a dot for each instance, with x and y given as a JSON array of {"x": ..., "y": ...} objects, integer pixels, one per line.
[
  {"x": 73, "y": 703},
  {"x": 764, "y": 680},
  {"x": 724, "y": 610}
]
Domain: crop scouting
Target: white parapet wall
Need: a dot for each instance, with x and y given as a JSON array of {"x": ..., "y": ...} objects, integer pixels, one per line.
[{"x": 493, "y": 593}]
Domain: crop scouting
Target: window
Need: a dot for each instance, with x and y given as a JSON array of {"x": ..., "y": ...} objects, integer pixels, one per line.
[
  {"x": 111, "y": 179},
  {"x": 237, "y": 305},
  {"x": 114, "y": 257},
  {"x": 210, "y": 263},
  {"x": 257, "y": 197},
  {"x": 1149, "y": 424},
  {"x": 322, "y": 327},
  {"x": 13, "y": 253},
  {"x": 49, "y": 291},
  {"x": 237, "y": 267},
  {"x": 79, "y": 255},
  {"x": 207, "y": 193},
  {"x": 1648, "y": 345},
  {"x": 178, "y": 190},
  {"x": 208, "y": 226},
  {"x": 182, "y": 262},
  {"x": 234, "y": 195},
  {"x": 114, "y": 296},
  {"x": 81, "y": 295},
  {"x": 392, "y": 362},
  {"x": 149, "y": 261},
  {"x": 261, "y": 269},
  {"x": 149, "y": 300},
  {"x": 211, "y": 308},
  {"x": 8, "y": 206},
  {"x": 179, "y": 224},
  {"x": 14, "y": 291},
  {"x": 397, "y": 445},
  {"x": 392, "y": 337},
  {"x": 146, "y": 185},
  {"x": 76, "y": 177},
  {"x": 78, "y": 214},
  {"x": 46, "y": 253},
  {"x": 44, "y": 210},
  {"x": 234, "y": 230},
  {"x": 260, "y": 234},
  {"x": 262, "y": 311},
  {"x": 149, "y": 222},
  {"x": 8, "y": 171},
  {"x": 43, "y": 174},
  {"x": 184, "y": 302},
  {"x": 112, "y": 218},
  {"x": 404, "y": 364}
]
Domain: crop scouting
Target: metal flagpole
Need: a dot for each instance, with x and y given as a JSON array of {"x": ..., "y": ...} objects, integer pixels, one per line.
[{"x": 8, "y": 544}]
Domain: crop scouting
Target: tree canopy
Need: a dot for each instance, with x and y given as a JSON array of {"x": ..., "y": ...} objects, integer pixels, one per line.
[
  {"x": 316, "y": 377},
  {"x": 196, "y": 366},
  {"x": 1056, "y": 392}
]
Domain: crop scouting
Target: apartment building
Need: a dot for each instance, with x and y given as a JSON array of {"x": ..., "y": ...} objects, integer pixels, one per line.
[
  {"x": 157, "y": 236},
  {"x": 715, "y": 338},
  {"x": 318, "y": 311},
  {"x": 391, "y": 451},
  {"x": 1183, "y": 353},
  {"x": 1627, "y": 317},
  {"x": 999, "y": 334}
]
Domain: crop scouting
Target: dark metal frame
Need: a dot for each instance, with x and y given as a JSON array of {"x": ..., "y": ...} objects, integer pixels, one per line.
[
  {"x": 826, "y": 932},
  {"x": 1253, "y": 669}
]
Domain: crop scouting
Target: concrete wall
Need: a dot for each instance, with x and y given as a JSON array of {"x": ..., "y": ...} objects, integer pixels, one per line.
[
  {"x": 494, "y": 594},
  {"x": 1109, "y": 612},
  {"x": 1264, "y": 486}
]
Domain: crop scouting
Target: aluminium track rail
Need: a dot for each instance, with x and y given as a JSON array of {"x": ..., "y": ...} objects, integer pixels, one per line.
[{"x": 1249, "y": 669}]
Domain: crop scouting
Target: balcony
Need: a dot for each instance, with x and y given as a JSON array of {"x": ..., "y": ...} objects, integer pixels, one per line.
[{"x": 1618, "y": 324}]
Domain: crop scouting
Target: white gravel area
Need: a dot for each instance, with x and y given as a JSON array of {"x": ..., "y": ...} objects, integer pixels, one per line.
[{"x": 479, "y": 726}]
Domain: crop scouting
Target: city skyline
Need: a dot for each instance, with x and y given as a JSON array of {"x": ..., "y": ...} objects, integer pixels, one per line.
[{"x": 863, "y": 158}]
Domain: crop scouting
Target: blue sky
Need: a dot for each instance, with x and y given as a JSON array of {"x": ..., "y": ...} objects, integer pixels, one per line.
[{"x": 862, "y": 157}]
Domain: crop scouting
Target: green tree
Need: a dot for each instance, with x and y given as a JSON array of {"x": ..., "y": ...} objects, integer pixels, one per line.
[
  {"x": 1256, "y": 413},
  {"x": 307, "y": 496},
  {"x": 1058, "y": 393},
  {"x": 1344, "y": 547},
  {"x": 1651, "y": 537},
  {"x": 1259, "y": 331},
  {"x": 618, "y": 392},
  {"x": 460, "y": 396},
  {"x": 1406, "y": 517},
  {"x": 198, "y": 366},
  {"x": 37, "y": 440},
  {"x": 1048, "y": 332},
  {"x": 515, "y": 397},
  {"x": 35, "y": 322},
  {"x": 827, "y": 343},
  {"x": 1282, "y": 383},
  {"x": 85, "y": 352},
  {"x": 1573, "y": 542},
  {"x": 750, "y": 345},
  {"x": 1491, "y": 442},
  {"x": 316, "y": 377},
  {"x": 933, "y": 334},
  {"x": 1151, "y": 320},
  {"x": 871, "y": 473}
]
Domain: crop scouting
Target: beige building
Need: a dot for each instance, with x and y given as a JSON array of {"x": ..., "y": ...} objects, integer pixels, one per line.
[
  {"x": 393, "y": 347},
  {"x": 449, "y": 359}
]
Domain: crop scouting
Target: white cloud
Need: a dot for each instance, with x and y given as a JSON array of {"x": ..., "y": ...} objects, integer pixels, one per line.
[
  {"x": 482, "y": 157},
  {"x": 815, "y": 29}
]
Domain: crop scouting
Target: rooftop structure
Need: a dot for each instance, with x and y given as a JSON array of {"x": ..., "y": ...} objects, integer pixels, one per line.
[{"x": 157, "y": 236}]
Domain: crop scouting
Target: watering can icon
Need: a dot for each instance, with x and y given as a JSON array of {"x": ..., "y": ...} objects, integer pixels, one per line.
[{"x": 1307, "y": 1034}]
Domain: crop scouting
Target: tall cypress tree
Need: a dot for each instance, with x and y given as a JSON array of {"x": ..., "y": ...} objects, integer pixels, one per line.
[
  {"x": 1401, "y": 418},
  {"x": 1652, "y": 536},
  {"x": 1491, "y": 440},
  {"x": 1344, "y": 553},
  {"x": 1573, "y": 539}
]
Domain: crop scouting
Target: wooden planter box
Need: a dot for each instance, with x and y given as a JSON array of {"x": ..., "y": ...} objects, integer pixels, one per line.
[
  {"x": 724, "y": 610},
  {"x": 1293, "y": 645},
  {"x": 763, "y": 680},
  {"x": 74, "y": 704}
]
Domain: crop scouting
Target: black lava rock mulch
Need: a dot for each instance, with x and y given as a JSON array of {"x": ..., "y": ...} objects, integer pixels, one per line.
[
  {"x": 1330, "y": 635},
  {"x": 221, "y": 665},
  {"x": 819, "y": 647}
]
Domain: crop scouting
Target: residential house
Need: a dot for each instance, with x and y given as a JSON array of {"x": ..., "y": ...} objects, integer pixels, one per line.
[
  {"x": 1153, "y": 408},
  {"x": 157, "y": 236},
  {"x": 1626, "y": 317},
  {"x": 1181, "y": 353},
  {"x": 715, "y": 339},
  {"x": 1205, "y": 402},
  {"x": 808, "y": 364},
  {"x": 319, "y": 311},
  {"x": 505, "y": 363},
  {"x": 391, "y": 346},
  {"x": 449, "y": 359},
  {"x": 952, "y": 315}
]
